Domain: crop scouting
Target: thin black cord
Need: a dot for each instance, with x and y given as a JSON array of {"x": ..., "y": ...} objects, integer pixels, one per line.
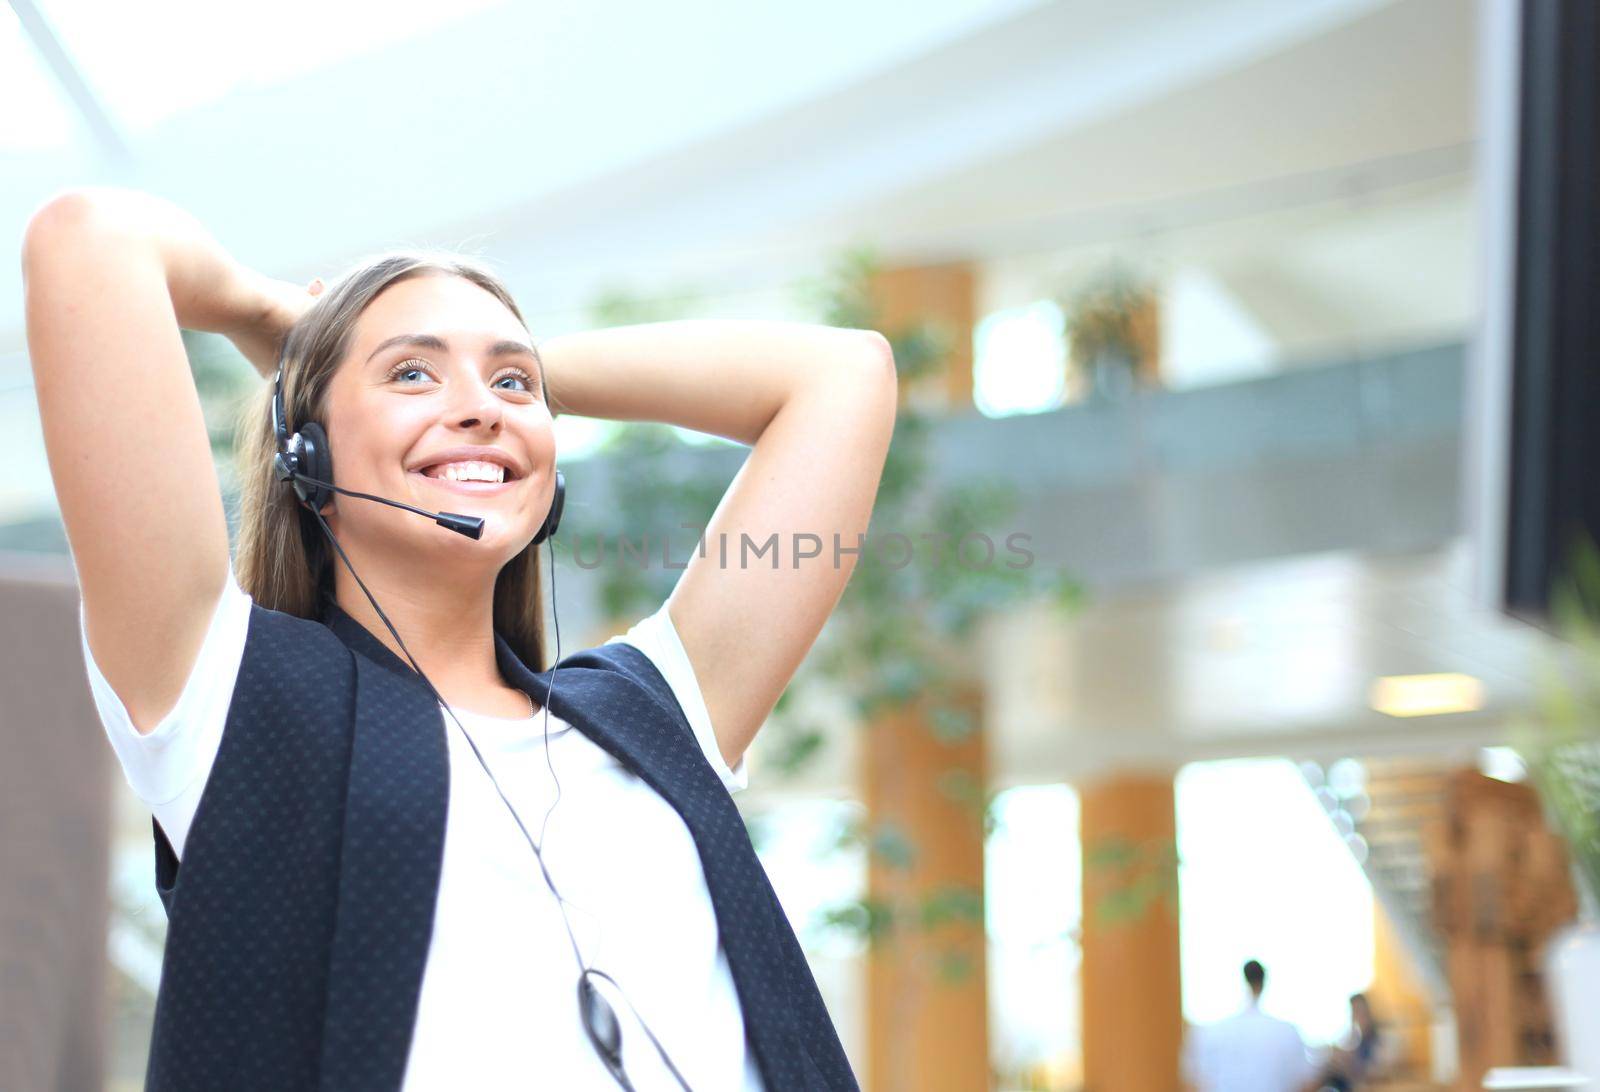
[
  {"x": 550, "y": 551},
  {"x": 493, "y": 780},
  {"x": 561, "y": 902},
  {"x": 555, "y": 614}
]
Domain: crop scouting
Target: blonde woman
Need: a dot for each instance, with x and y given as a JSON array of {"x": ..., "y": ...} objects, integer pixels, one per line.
[{"x": 399, "y": 846}]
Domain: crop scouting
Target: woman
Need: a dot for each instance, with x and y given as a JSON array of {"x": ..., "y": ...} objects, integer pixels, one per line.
[
  {"x": 297, "y": 785},
  {"x": 1359, "y": 1059}
]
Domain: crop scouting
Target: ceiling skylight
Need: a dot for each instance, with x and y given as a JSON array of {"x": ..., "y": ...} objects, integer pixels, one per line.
[
  {"x": 148, "y": 62},
  {"x": 47, "y": 120}
]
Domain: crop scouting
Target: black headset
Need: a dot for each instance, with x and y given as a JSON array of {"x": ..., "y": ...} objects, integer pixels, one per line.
[{"x": 305, "y": 460}]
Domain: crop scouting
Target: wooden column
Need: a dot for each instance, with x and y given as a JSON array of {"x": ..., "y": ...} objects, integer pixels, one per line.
[
  {"x": 945, "y": 296},
  {"x": 1132, "y": 1000},
  {"x": 927, "y": 984}
]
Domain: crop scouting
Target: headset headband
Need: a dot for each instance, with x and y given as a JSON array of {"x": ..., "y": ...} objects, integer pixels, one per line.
[{"x": 280, "y": 427}]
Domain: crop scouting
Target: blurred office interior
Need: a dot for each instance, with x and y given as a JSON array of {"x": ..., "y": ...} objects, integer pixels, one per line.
[{"x": 1210, "y": 300}]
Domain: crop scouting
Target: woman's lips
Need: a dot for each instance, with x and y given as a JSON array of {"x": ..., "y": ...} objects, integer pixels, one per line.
[{"x": 472, "y": 488}]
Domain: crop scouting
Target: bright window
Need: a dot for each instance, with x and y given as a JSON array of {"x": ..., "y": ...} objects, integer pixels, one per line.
[
  {"x": 1265, "y": 876},
  {"x": 1019, "y": 360},
  {"x": 1033, "y": 908}
]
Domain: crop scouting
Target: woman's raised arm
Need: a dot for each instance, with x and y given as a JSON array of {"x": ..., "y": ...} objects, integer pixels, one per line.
[
  {"x": 110, "y": 276},
  {"x": 817, "y": 406}
]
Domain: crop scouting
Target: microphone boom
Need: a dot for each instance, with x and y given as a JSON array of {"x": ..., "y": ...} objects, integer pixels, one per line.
[{"x": 471, "y": 526}]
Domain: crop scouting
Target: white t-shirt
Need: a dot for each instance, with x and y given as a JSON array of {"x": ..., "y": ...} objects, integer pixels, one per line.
[
  {"x": 1248, "y": 1052},
  {"x": 498, "y": 1007}
]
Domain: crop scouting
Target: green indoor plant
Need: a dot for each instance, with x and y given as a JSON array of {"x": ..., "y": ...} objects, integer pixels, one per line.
[
  {"x": 1562, "y": 749},
  {"x": 1102, "y": 319}
]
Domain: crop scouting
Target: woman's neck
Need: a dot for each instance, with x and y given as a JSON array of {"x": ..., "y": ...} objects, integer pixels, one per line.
[{"x": 449, "y": 630}]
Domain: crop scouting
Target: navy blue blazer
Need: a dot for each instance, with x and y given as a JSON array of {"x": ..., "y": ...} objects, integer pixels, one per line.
[{"x": 300, "y": 919}]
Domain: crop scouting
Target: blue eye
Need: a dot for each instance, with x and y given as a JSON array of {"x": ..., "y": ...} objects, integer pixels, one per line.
[
  {"x": 403, "y": 368},
  {"x": 521, "y": 377}
]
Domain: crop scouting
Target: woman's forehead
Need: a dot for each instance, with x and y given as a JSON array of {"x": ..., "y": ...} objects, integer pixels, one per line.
[{"x": 449, "y": 308}]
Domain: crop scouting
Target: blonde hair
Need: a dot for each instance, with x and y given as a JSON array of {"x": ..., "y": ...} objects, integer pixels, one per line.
[{"x": 283, "y": 559}]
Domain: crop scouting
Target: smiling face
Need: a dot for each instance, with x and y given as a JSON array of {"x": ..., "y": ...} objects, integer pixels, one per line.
[{"x": 437, "y": 365}]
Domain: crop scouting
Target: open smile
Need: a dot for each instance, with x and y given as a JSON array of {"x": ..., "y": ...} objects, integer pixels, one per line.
[{"x": 467, "y": 487}]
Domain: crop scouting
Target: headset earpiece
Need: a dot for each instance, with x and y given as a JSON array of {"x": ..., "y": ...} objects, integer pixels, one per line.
[
  {"x": 310, "y": 446},
  {"x": 305, "y": 452},
  {"x": 553, "y": 519}
]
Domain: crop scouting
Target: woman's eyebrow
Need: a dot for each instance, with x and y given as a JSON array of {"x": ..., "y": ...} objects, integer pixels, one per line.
[
  {"x": 514, "y": 348},
  {"x": 421, "y": 341},
  {"x": 429, "y": 341}
]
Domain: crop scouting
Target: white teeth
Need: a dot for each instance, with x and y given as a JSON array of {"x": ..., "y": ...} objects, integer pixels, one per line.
[{"x": 472, "y": 471}]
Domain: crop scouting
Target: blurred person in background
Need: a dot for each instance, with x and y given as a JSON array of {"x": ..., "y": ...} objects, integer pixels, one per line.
[
  {"x": 1249, "y": 1051},
  {"x": 229, "y": 694},
  {"x": 1359, "y": 1058}
]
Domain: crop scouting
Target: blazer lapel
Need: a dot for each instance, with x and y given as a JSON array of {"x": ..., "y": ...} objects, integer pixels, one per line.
[{"x": 389, "y": 867}]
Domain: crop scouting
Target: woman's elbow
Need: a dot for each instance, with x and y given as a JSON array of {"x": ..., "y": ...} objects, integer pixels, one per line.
[
  {"x": 879, "y": 363},
  {"x": 879, "y": 349},
  {"x": 66, "y": 210}
]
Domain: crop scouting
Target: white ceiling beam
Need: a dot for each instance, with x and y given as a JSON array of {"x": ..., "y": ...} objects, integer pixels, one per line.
[{"x": 105, "y": 133}]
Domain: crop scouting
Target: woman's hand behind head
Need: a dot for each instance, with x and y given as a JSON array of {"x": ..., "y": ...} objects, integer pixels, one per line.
[{"x": 279, "y": 305}]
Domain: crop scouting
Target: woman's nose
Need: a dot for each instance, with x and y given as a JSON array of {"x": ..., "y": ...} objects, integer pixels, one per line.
[{"x": 478, "y": 408}]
